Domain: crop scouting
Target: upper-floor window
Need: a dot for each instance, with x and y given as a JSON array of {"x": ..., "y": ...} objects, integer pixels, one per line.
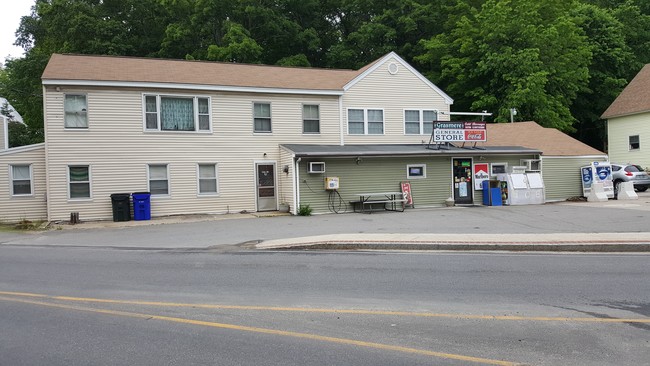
[
  {"x": 79, "y": 181},
  {"x": 365, "y": 121},
  {"x": 177, "y": 113},
  {"x": 310, "y": 119},
  {"x": 76, "y": 111},
  {"x": 419, "y": 122},
  {"x": 21, "y": 180},
  {"x": 262, "y": 117},
  {"x": 635, "y": 144}
]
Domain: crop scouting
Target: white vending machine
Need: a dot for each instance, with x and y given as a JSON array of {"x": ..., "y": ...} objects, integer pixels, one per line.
[{"x": 600, "y": 173}]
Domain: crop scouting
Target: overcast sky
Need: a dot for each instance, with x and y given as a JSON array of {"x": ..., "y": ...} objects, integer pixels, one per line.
[{"x": 10, "y": 14}]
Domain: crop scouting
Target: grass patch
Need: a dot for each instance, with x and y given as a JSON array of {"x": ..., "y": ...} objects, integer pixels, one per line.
[{"x": 22, "y": 225}]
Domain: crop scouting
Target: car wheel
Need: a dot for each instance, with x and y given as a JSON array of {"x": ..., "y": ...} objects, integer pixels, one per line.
[{"x": 641, "y": 189}]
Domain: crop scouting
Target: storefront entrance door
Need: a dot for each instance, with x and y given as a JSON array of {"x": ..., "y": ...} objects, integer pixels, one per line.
[{"x": 462, "y": 175}]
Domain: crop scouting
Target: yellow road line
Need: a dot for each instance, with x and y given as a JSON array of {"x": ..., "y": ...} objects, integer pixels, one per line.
[
  {"x": 336, "y": 311},
  {"x": 344, "y": 341}
]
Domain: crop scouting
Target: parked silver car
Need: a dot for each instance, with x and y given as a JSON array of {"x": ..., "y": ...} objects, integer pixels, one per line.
[{"x": 630, "y": 173}]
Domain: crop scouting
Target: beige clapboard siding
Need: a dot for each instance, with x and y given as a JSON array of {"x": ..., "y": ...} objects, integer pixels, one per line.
[
  {"x": 32, "y": 207},
  {"x": 393, "y": 94},
  {"x": 118, "y": 150},
  {"x": 618, "y": 132},
  {"x": 562, "y": 176},
  {"x": 285, "y": 180}
]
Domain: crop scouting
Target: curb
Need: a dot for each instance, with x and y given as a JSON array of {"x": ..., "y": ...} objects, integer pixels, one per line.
[{"x": 510, "y": 247}]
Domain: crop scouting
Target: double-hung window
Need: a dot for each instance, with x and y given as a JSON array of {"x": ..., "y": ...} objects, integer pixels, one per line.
[
  {"x": 158, "y": 179},
  {"x": 310, "y": 119},
  {"x": 79, "y": 181},
  {"x": 177, "y": 113},
  {"x": 21, "y": 180},
  {"x": 365, "y": 121},
  {"x": 634, "y": 142},
  {"x": 419, "y": 122},
  {"x": 262, "y": 117},
  {"x": 75, "y": 110},
  {"x": 208, "y": 179}
]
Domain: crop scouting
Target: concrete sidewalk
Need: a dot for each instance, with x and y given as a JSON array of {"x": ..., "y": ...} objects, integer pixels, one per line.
[{"x": 620, "y": 226}]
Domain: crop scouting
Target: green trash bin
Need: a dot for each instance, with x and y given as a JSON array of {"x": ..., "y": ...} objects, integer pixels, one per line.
[{"x": 121, "y": 206}]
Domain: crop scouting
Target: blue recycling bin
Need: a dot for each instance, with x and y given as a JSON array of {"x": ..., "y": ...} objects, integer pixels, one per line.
[
  {"x": 491, "y": 193},
  {"x": 141, "y": 206}
]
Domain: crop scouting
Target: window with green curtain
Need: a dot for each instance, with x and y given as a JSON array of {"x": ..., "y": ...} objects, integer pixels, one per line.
[
  {"x": 262, "y": 117},
  {"x": 311, "y": 119},
  {"x": 355, "y": 122},
  {"x": 76, "y": 115},
  {"x": 177, "y": 114},
  {"x": 21, "y": 180},
  {"x": 79, "y": 177}
]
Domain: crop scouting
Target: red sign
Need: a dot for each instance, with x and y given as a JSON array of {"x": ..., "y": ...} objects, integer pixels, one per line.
[
  {"x": 481, "y": 173},
  {"x": 406, "y": 190},
  {"x": 475, "y": 135}
]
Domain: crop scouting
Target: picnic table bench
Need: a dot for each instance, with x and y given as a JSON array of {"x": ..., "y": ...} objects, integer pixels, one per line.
[{"x": 388, "y": 201}]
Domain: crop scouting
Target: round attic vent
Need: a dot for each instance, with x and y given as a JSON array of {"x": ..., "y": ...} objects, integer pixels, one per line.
[{"x": 393, "y": 68}]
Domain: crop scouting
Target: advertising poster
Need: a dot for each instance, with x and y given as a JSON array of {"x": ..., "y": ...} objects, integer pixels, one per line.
[{"x": 480, "y": 174}]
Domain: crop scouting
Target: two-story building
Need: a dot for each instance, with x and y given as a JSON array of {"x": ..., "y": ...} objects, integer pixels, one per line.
[{"x": 210, "y": 137}]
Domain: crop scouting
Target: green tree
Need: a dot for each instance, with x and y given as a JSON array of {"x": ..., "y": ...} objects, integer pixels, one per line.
[
  {"x": 525, "y": 54},
  {"x": 238, "y": 46}
]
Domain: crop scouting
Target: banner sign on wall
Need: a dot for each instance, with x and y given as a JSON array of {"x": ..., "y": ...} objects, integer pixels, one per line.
[
  {"x": 481, "y": 173},
  {"x": 459, "y": 132}
]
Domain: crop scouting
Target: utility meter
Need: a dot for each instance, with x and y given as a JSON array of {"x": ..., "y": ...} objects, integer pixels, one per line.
[{"x": 331, "y": 183}]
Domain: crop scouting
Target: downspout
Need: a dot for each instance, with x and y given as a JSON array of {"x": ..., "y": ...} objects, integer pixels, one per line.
[
  {"x": 296, "y": 185},
  {"x": 47, "y": 159},
  {"x": 342, "y": 141}
]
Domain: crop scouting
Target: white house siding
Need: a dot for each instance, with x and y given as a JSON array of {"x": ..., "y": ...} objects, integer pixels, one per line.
[
  {"x": 118, "y": 151},
  {"x": 17, "y": 208},
  {"x": 393, "y": 94},
  {"x": 618, "y": 132},
  {"x": 562, "y": 177}
]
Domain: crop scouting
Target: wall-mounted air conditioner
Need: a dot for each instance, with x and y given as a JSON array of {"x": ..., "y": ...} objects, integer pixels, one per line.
[
  {"x": 317, "y": 167},
  {"x": 532, "y": 165}
]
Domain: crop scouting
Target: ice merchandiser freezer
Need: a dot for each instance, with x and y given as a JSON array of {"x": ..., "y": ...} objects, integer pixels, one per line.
[
  {"x": 597, "y": 172},
  {"x": 522, "y": 188}
]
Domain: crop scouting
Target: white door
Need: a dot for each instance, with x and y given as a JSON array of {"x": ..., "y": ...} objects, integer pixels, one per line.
[{"x": 265, "y": 178}]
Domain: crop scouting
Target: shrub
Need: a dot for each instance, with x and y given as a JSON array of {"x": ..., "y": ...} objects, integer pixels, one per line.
[{"x": 304, "y": 210}]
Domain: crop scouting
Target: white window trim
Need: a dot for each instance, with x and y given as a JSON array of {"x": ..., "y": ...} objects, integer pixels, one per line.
[
  {"x": 11, "y": 181},
  {"x": 90, "y": 182},
  {"x": 629, "y": 144},
  {"x": 302, "y": 107},
  {"x": 195, "y": 99},
  {"x": 420, "y": 121},
  {"x": 424, "y": 171},
  {"x": 365, "y": 121},
  {"x": 505, "y": 168},
  {"x": 270, "y": 117},
  {"x": 66, "y": 128},
  {"x": 198, "y": 180},
  {"x": 169, "y": 183}
]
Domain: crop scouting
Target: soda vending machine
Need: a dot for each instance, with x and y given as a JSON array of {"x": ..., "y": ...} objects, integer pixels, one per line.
[{"x": 597, "y": 172}]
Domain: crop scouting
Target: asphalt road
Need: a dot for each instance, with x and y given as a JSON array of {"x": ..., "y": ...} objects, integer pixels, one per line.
[{"x": 93, "y": 306}]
